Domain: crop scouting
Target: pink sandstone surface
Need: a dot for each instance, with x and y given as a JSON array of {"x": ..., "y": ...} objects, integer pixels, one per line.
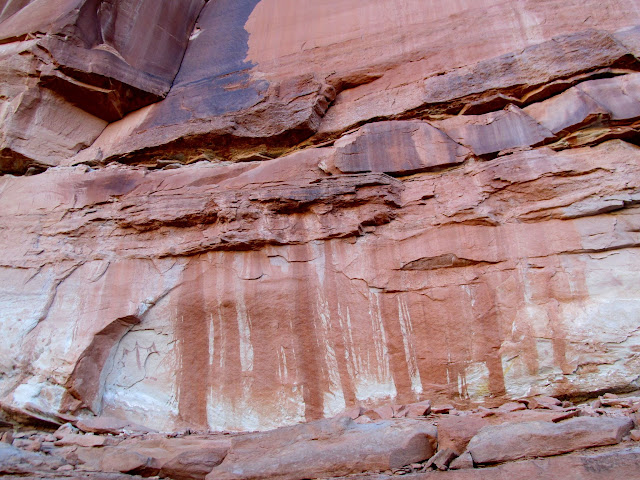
[{"x": 246, "y": 214}]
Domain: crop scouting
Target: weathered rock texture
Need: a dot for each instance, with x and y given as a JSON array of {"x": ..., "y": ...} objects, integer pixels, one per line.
[
  {"x": 243, "y": 219},
  {"x": 70, "y": 66},
  {"x": 334, "y": 447},
  {"x": 500, "y": 443},
  {"x": 343, "y": 448}
]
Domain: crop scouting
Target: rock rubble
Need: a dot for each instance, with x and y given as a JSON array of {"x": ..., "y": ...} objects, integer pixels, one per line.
[{"x": 470, "y": 442}]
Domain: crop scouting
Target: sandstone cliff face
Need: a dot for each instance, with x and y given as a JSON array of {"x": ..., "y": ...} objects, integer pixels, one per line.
[{"x": 242, "y": 218}]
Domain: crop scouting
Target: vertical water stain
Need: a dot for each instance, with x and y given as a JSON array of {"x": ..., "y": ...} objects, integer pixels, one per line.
[
  {"x": 510, "y": 302},
  {"x": 192, "y": 333},
  {"x": 438, "y": 318},
  {"x": 431, "y": 361},
  {"x": 309, "y": 353},
  {"x": 259, "y": 310},
  {"x": 226, "y": 375},
  {"x": 395, "y": 347},
  {"x": 562, "y": 286},
  {"x": 488, "y": 334},
  {"x": 332, "y": 294}
]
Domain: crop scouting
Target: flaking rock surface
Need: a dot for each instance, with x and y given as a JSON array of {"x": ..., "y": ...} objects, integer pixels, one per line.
[{"x": 238, "y": 219}]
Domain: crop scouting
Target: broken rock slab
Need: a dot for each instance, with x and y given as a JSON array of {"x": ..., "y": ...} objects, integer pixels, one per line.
[
  {"x": 619, "y": 96},
  {"x": 566, "y": 112},
  {"x": 88, "y": 440},
  {"x": 398, "y": 148},
  {"x": 17, "y": 461},
  {"x": 193, "y": 464},
  {"x": 412, "y": 410},
  {"x": 594, "y": 102},
  {"x": 102, "y": 425},
  {"x": 502, "y": 443},
  {"x": 463, "y": 461},
  {"x": 456, "y": 432},
  {"x": 129, "y": 461},
  {"x": 442, "y": 459},
  {"x": 493, "y": 132},
  {"x": 608, "y": 465},
  {"x": 332, "y": 447}
]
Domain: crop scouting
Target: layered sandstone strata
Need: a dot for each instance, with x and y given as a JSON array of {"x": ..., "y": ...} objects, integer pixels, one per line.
[{"x": 247, "y": 219}]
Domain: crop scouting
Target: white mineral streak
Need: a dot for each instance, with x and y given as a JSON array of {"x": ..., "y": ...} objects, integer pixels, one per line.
[
  {"x": 244, "y": 330},
  {"x": 407, "y": 340}
]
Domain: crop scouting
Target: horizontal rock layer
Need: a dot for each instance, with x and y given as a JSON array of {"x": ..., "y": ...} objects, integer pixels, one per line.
[{"x": 320, "y": 290}]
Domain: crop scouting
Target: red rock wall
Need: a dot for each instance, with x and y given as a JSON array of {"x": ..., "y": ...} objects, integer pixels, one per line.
[{"x": 268, "y": 215}]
